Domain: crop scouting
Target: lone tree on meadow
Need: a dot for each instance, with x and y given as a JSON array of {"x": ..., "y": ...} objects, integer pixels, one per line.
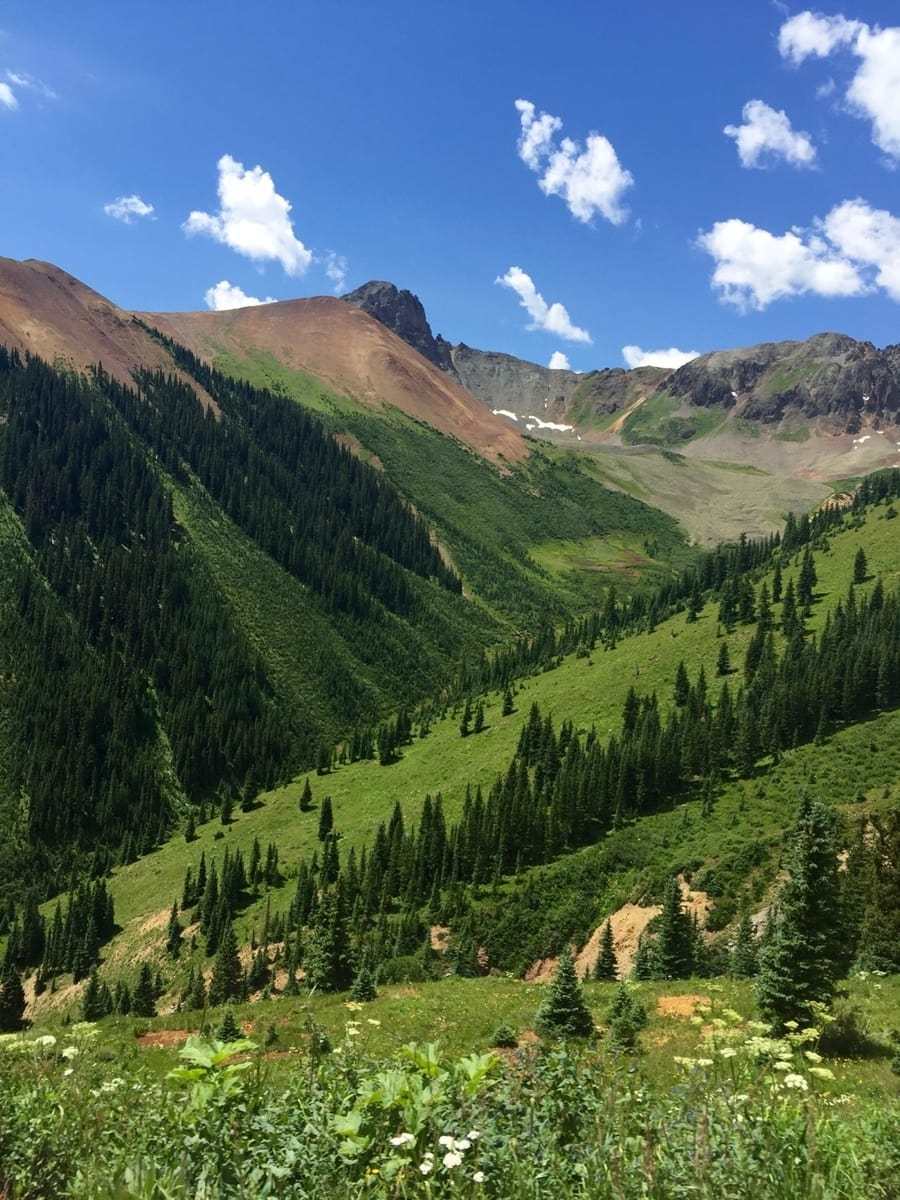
[
  {"x": 675, "y": 941},
  {"x": 227, "y": 981},
  {"x": 563, "y": 1013},
  {"x": 626, "y": 1018},
  {"x": 143, "y": 1001},
  {"x": 801, "y": 960},
  {"x": 173, "y": 933},
  {"x": 12, "y": 1000},
  {"x": 606, "y": 967},
  {"x": 860, "y": 567}
]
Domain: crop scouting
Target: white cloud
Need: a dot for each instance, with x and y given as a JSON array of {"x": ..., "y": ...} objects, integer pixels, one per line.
[
  {"x": 559, "y": 361},
  {"x": 21, "y": 80},
  {"x": 552, "y": 318},
  {"x": 768, "y": 132},
  {"x": 590, "y": 179},
  {"x": 635, "y": 356},
  {"x": 224, "y": 295},
  {"x": 870, "y": 237},
  {"x": 336, "y": 267},
  {"x": 755, "y": 267},
  {"x": 253, "y": 219},
  {"x": 814, "y": 35},
  {"x": 8, "y": 97},
  {"x": 128, "y": 208},
  {"x": 874, "y": 91}
]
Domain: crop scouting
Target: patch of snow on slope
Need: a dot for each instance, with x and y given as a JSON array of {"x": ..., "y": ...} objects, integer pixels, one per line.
[
  {"x": 504, "y": 412},
  {"x": 539, "y": 424}
]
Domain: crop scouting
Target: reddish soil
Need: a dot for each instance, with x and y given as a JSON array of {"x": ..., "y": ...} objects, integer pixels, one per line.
[
  {"x": 164, "y": 1037},
  {"x": 679, "y": 1006}
]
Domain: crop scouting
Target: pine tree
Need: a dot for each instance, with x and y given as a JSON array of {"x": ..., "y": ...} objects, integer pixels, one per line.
[
  {"x": 326, "y": 818},
  {"x": 364, "y": 989},
  {"x": 644, "y": 963},
  {"x": 226, "y": 809},
  {"x": 306, "y": 797},
  {"x": 860, "y": 567},
  {"x": 327, "y": 960},
  {"x": 626, "y": 1018},
  {"x": 479, "y": 717},
  {"x": 682, "y": 686},
  {"x": 190, "y": 829},
  {"x": 723, "y": 663},
  {"x": 227, "y": 981},
  {"x": 143, "y": 1000},
  {"x": 606, "y": 966},
  {"x": 563, "y": 1013},
  {"x": 229, "y": 1030},
  {"x": 799, "y": 963},
  {"x": 807, "y": 579},
  {"x": 173, "y": 933},
  {"x": 12, "y": 1000},
  {"x": 466, "y": 719},
  {"x": 92, "y": 1003},
  {"x": 744, "y": 952},
  {"x": 507, "y": 707},
  {"x": 674, "y": 943}
]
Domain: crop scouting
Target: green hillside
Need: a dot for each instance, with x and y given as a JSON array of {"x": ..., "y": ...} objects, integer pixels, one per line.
[{"x": 739, "y": 839}]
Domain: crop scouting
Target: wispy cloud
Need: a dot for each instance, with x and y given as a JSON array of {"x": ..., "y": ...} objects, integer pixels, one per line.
[
  {"x": 128, "y": 209},
  {"x": 551, "y": 318}
]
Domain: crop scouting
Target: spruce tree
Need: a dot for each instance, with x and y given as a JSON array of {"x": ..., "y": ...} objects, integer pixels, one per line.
[
  {"x": 507, "y": 707},
  {"x": 800, "y": 962},
  {"x": 466, "y": 719},
  {"x": 563, "y": 1013},
  {"x": 327, "y": 959},
  {"x": 92, "y": 1006},
  {"x": 644, "y": 964},
  {"x": 626, "y": 1018},
  {"x": 364, "y": 989},
  {"x": 674, "y": 943},
  {"x": 12, "y": 1000},
  {"x": 723, "y": 663},
  {"x": 860, "y": 567},
  {"x": 606, "y": 966},
  {"x": 143, "y": 1000},
  {"x": 479, "y": 717},
  {"x": 306, "y": 797},
  {"x": 326, "y": 819},
  {"x": 173, "y": 933},
  {"x": 682, "y": 686},
  {"x": 229, "y": 1030},
  {"x": 744, "y": 955},
  {"x": 227, "y": 981}
]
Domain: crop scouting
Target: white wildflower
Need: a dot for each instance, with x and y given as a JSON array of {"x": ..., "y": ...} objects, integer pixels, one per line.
[
  {"x": 473, "y": 1135},
  {"x": 822, "y": 1072},
  {"x": 781, "y": 1065},
  {"x": 403, "y": 1139},
  {"x": 70, "y": 1052},
  {"x": 728, "y": 1052},
  {"x": 796, "y": 1081},
  {"x": 426, "y": 1166},
  {"x": 68, "y": 1071},
  {"x": 812, "y": 1056},
  {"x": 478, "y": 1177},
  {"x": 46, "y": 1039},
  {"x": 452, "y": 1159},
  {"x": 372, "y": 1021},
  {"x": 446, "y": 1140}
]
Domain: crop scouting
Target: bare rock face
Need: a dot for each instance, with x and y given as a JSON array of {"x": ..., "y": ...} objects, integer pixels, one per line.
[
  {"x": 829, "y": 376},
  {"x": 402, "y": 312}
]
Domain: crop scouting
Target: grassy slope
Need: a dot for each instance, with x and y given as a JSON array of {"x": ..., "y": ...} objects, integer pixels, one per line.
[
  {"x": 590, "y": 691},
  {"x": 492, "y": 523}
]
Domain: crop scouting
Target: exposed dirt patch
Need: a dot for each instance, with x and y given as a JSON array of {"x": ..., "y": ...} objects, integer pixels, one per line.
[
  {"x": 440, "y": 936},
  {"x": 680, "y": 1006},
  {"x": 159, "y": 920},
  {"x": 164, "y": 1037}
]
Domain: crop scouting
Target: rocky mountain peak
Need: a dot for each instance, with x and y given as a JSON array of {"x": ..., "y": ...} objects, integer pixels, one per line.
[{"x": 402, "y": 312}]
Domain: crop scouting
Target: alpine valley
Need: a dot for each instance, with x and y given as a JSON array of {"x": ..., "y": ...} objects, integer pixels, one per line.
[{"x": 425, "y": 772}]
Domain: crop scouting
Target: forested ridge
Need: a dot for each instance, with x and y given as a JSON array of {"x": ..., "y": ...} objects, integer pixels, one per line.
[{"x": 130, "y": 691}]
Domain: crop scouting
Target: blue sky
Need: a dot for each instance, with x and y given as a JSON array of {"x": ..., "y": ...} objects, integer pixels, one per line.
[{"x": 392, "y": 131}]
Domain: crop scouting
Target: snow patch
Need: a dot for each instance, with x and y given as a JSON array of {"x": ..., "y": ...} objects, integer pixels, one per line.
[
  {"x": 859, "y": 441},
  {"x": 539, "y": 424},
  {"x": 504, "y": 412}
]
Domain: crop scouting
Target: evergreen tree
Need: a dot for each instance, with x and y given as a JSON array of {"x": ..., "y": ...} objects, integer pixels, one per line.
[
  {"x": 12, "y": 1000},
  {"x": 479, "y": 717},
  {"x": 190, "y": 829},
  {"x": 626, "y": 1018},
  {"x": 226, "y": 809},
  {"x": 326, "y": 819},
  {"x": 143, "y": 1000},
  {"x": 507, "y": 707},
  {"x": 644, "y": 964},
  {"x": 682, "y": 686},
  {"x": 674, "y": 942},
  {"x": 606, "y": 966},
  {"x": 327, "y": 959},
  {"x": 563, "y": 1013},
  {"x": 860, "y": 567},
  {"x": 364, "y": 988},
  {"x": 173, "y": 933},
  {"x": 723, "y": 663},
  {"x": 229, "y": 1030},
  {"x": 799, "y": 963},
  {"x": 744, "y": 952},
  {"x": 466, "y": 719},
  {"x": 93, "y": 1007},
  {"x": 227, "y": 981},
  {"x": 306, "y": 797},
  {"x": 807, "y": 579}
]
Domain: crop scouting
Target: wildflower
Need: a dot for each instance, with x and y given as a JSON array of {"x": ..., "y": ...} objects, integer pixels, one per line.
[
  {"x": 68, "y": 1071},
  {"x": 353, "y": 1005},
  {"x": 372, "y": 1021},
  {"x": 478, "y": 1177},
  {"x": 731, "y": 1015},
  {"x": 352, "y": 1031},
  {"x": 403, "y": 1139},
  {"x": 70, "y": 1052},
  {"x": 728, "y": 1052},
  {"x": 446, "y": 1140},
  {"x": 792, "y": 1025},
  {"x": 797, "y": 1082},
  {"x": 759, "y": 1026},
  {"x": 452, "y": 1159},
  {"x": 426, "y": 1166},
  {"x": 812, "y": 1056},
  {"x": 46, "y": 1039},
  {"x": 473, "y": 1135},
  {"x": 822, "y": 1072},
  {"x": 462, "y": 1144},
  {"x": 781, "y": 1065}
]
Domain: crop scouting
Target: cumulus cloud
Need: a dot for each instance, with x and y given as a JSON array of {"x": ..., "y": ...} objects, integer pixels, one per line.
[
  {"x": 336, "y": 267},
  {"x": 551, "y": 318},
  {"x": 812, "y": 35},
  {"x": 128, "y": 209},
  {"x": 253, "y": 219},
  {"x": 224, "y": 295},
  {"x": 874, "y": 91},
  {"x": 8, "y": 97},
  {"x": 767, "y": 133},
  {"x": 590, "y": 178},
  {"x": 559, "y": 361},
  {"x": 635, "y": 356},
  {"x": 853, "y": 250}
]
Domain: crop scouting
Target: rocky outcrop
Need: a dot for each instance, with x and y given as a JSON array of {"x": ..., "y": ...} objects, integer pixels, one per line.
[{"x": 402, "y": 312}]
